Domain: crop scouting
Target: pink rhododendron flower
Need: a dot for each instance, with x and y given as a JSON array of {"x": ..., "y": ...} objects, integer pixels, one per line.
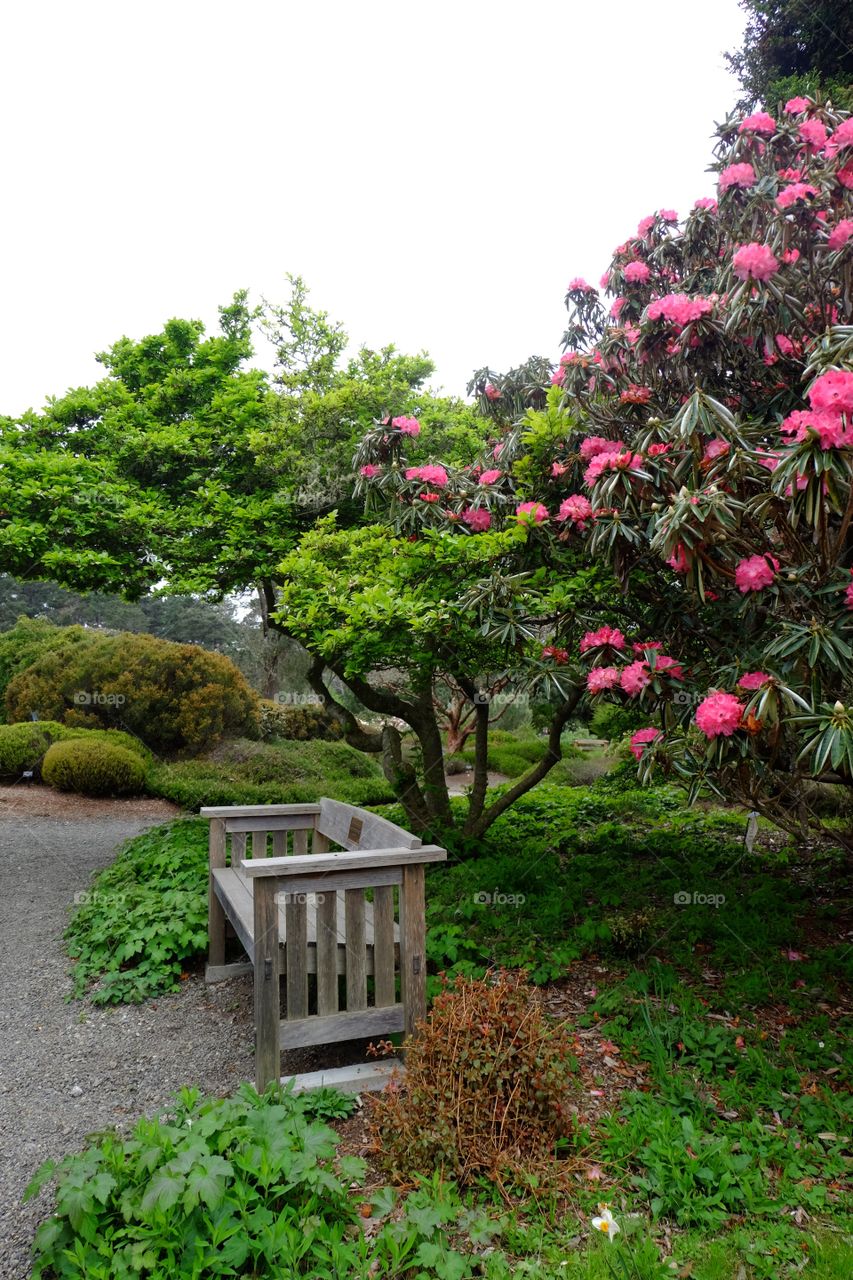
[
  {"x": 715, "y": 449},
  {"x": 558, "y": 469},
  {"x": 669, "y": 215},
  {"x": 828, "y": 426},
  {"x": 832, "y": 390},
  {"x": 678, "y": 308},
  {"x": 795, "y": 106},
  {"x": 760, "y": 122},
  {"x": 705, "y": 202},
  {"x": 579, "y": 285},
  {"x": 635, "y": 677},
  {"x": 601, "y": 678},
  {"x": 636, "y": 272},
  {"x": 641, "y": 739},
  {"x": 531, "y": 513},
  {"x": 658, "y": 450},
  {"x": 814, "y": 134},
  {"x": 636, "y": 395},
  {"x": 680, "y": 561},
  {"x": 736, "y": 175},
  {"x": 616, "y": 308},
  {"x": 577, "y": 509},
  {"x": 843, "y": 137},
  {"x": 430, "y": 497},
  {"x": 753, "y": 680},
  {"x": 651, "y": 646},
  {"x": 755, "y": 573},
  {"x": 756, "y": 261},
  {"x": 602, "y": 462},
  {"x": 408, "y": 426},
  {"x": 845, "y": 177},
  {"x": 797, "y": 191},
  {"x": 489, "y": 477},
  {"x": 611, "y": 636},
  {"x": 790, "y": 255},
  {"x": 491, "y": 392},
  {"x": 591, "y": 446},
  {"x": 840, "y": 234},
  {"x": 605, "y": 280},
  {"x": 370, "y": 470},
  {"x": 558, "y": 376},
  {"x": 785, "y": 345},
  {"x": 719, "y": 715},
  {"x": 477, "y": 518},
  {"x": 430, "y": 474},
  {"x": 645, "y": 225},
  {"x": 664, "y": 665},
  {"x": 848, "y": 594}
]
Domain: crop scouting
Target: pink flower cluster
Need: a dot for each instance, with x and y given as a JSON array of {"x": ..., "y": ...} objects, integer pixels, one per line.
[
  {"x": 602, "y": 678},
  {"x": 477, "y": 518},
  {"x": 840, "y": 234},
  {"x": 489, "y": 477},
  {"x": 491, "y": 392},
  {"x": 594, "y": 445},
  {"x": 430, "y": 474},
  {"x": 611, "y": 636},
  {"x": 737, "y": 175},
  {"x": 832, "y": 391},
  {"x": 828, "y": 427},
  {"x": 719, "y": 715},
  {"x": 531, "y": 513},
  {"x": 760, "y": 122},
  {"x": 813, "y": 134},
  {"x": 751, "y": 680},
  {"x": 755, "y": 573},
  {"x": 408, "y": 426},
  {"x": 641, "y": 739},
  {"x": 755, "y": 261},
  {"x": 626, "y": 461},
  {"x": 797, "y": 191},
  {"x": 370, "y": 471},
  {"x": 795, "y": 106},
  {"x": 678, "y": 308},
  {"x": 576, "y": 509},
  {"x": 636, "y": 272},
  {"x": 705, "y": 202},
  {"x": 843, "y": 137},
  {"x": 579, "y": 285}
]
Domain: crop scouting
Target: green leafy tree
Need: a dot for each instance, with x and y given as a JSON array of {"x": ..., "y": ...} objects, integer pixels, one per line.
[{"x": 792, "y": 48}]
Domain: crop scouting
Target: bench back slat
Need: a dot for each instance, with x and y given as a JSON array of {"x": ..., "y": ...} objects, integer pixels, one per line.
[{"x": 354, "y": 829}]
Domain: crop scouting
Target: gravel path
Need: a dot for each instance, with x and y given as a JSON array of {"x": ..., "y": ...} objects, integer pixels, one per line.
[{"x": 69, "y": 1069}]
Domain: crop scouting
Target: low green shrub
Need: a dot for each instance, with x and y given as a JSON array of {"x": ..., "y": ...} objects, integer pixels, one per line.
[
  {"x": 145, "y": 916},
  {"x": 23, "y": 747},
  {"x": 93, "y": 768},
  {"x": 299, "y": 721},
  {"x": 241, "y": 771}
]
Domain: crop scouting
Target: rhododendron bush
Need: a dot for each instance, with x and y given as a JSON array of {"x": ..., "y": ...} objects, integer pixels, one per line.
[{"x": 695, "y": 439}]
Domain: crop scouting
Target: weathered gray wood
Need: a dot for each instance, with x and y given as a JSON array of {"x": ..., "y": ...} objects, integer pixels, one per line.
[
  {"x": 319, "y": 863},
  {"x": 412, "y": 946},
  {"x": 354, "y": 828},
  {"x": 356, "y": 950},
  {"x": 259, "y": 844},
  {"x": 238, "y": 907},
  {"x": 319, "y": 842},
  {"x": 361, "y": 1077},
  {"x": 359, "y": 1025},
  {"x": 383, "y": 945},
  {"x": 215, "y": 913},
  {"x": 367, "y": 879},
  {"x": 256, "y": 810},
  {"x": 269, "y": 822},
  {"x": 238, "y": 849},
  {"x": 222, "y": 972},
  {"x": 279, "y": 844},
  {"x": 296, "y": 942},
  {"x": 300, "y": 841},
  {"x": 267, "y": 1010},
  {"x": 328, "y": 954}
]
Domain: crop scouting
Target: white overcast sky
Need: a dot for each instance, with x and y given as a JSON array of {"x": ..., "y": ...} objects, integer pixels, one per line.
[{"x": 436, "y": 171}]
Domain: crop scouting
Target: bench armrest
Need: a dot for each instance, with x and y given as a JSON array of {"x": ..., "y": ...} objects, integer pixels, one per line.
[{"x": 314, "y": 864}]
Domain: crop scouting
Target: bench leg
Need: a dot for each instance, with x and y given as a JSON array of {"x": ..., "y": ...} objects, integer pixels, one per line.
[
  {"x": 267, "y": 998},
  {"x": 215, "y": 914},
  {"x": 413, "y": 947}
]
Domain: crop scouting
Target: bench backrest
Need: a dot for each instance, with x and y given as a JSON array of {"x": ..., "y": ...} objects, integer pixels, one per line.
[{"x": 355, "y": 829}]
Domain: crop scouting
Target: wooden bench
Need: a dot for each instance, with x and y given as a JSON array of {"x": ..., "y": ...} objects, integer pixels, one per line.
[{"x": 298, "y": 907}]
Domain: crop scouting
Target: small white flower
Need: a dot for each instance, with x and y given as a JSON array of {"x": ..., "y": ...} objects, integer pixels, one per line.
[{"x": 606, "y": 1222}]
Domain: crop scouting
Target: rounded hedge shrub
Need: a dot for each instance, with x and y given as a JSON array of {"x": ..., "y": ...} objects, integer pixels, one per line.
[
  {"x": 299, "y": 721},
  {"x": 93, "y": 768},
  {"x": 23, "y": 746},
  {"x": 178, "y": 698}
]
